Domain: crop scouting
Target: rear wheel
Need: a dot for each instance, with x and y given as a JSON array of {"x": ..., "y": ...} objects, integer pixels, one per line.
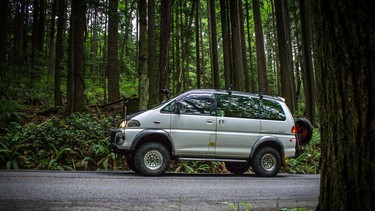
[
  {"x": 304, "y": 131},
  {"x": 266, "y": 162},
  {"x": 152, "y": 159},
  {"x": 237, "y": 168}
]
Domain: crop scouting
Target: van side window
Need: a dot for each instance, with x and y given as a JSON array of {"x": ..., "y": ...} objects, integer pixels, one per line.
[
  {"x": 170, "y": 108},
  {"x": 236, "y": 106},
  {"x": 271, "y": 110},
  {"x": 196, "y": 105}
]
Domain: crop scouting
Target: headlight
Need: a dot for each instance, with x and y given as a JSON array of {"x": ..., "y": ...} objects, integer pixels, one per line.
[
  {"x": 130, "y": 123},
  {"x": 133, "y": 123},
  {"x": 122, "y": 124}
]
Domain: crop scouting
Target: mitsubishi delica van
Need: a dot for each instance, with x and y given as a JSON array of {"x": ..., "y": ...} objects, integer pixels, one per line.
[{"x": 241, "y": 129}]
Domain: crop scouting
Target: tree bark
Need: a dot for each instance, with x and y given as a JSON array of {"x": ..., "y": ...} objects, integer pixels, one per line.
[
  {"x": 79, "y": 19},
  {"x": 259, "y": 43},
  {"x": 4, "y": 15},
  {"x": 238, "y": 76},
  {"x": 289, "y": 49},
  {"x": 197, "y": 44},
  {"x": 243, "y": 48},
  {"x": 59, "y": 51},
  {"x": 153, "y": 72},
  {"x": 308, "y": 74},
  {"x": 286, "y": 82},
  {"x": 113, "y": 64},
  {"x": 143, "y": 74},
  {"x": 70, "y": 73},
  {"x": 226, "y": 42},
  {"x": 345, "y": 66},
  {"x": 18, "y": 55},
  {"x": 252, "y": 74},
  {"x": 166, "y": 21},
  {"x": 51, "y": 59},
  {"x": 213, "y": 47}
]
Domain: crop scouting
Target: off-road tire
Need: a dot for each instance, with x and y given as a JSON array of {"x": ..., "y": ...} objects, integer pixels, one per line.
[
  {"x": 152, "y": 159},
  {"x": 304, "y": 131},
  {"x": 266, "y": 162}
]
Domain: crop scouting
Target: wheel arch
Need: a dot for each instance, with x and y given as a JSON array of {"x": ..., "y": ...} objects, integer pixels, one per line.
[
  {"x": 158, "y": 136},
  {"x": 269, "y": 141}
]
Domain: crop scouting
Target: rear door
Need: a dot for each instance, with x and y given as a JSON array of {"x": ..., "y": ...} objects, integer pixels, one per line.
[{"x": 238, "y": 125}]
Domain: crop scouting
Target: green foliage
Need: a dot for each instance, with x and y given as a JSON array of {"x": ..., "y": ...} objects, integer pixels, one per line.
[
  {"x": 10, "y": 111},
  {"x": 294, "y": 209},
  {"x": 76, "y": 142},
  {"x": 80, "y": 142},
  {"x": 308, "y": 162},
  {"x": 197, "y": 167},
  {"x": 238, "y": 206}
]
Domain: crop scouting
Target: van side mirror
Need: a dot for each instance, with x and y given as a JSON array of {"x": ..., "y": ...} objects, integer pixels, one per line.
[{"x": 178, "y": 107}]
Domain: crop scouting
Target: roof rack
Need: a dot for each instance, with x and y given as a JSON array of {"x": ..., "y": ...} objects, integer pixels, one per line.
[{"x": 229, "y": 89}]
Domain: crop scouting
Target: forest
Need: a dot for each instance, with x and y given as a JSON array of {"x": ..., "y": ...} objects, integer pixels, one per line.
[
  {"x": 68, "y": 67},
  {"x": 63, "y": 57}
]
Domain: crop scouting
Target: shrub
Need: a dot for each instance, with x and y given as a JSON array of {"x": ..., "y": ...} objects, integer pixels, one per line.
[
  {"x": 308, "y": 162},
  {"x": 76, "y": 142}
]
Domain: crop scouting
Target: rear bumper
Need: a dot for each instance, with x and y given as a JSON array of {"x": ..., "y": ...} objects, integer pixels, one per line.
[{"x": 299, "y": 151}]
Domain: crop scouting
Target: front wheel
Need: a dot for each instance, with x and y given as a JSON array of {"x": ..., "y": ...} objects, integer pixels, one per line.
[
  {"x": 266, "y": 162},
  {"x": 237, "y": 168},
  {"x": 152, "y": 159}
]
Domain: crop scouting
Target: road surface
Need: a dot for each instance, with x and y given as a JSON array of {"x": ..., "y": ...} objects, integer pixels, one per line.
[{"x": 56, "y": 190}]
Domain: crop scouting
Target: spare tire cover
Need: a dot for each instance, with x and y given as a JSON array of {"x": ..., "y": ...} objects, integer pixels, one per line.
[{"x": 304, "y": 131}]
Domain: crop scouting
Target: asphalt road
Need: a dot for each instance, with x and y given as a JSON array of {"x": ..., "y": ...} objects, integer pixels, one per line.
[{"x": 55, "y": 190}]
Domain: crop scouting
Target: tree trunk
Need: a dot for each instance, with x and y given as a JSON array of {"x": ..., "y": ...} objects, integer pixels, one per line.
[
  {"x": 18, "y": 56},
  {"x": 59, "y": 51},
  {"x": 243, "y": 48},
  {"x": 153, "y": 72},
  {"x": 259, "y": 43},
  {"x": 178, "y": 42},
  {"x": 308, "y": 77},
  {"x": 79, "y": 29},
  {"x": 4, "y": 14},
  {"x": 166, "y": 21},
  {"x": 51, "y": 59},
  {"x": 238, "y": 76},
  {"x": 143, "y": 74},
  {"x": 252, "y": 74},
  {"x": 113, "y": 65},
  {"x": 42, "y": 25},
  {"x": 286, "y": 82},
  {"x": 197, "y": 44},
  {"x": 226, "y": 42},
  {"x": 345, "y": 64},
  {"x": 70, "y": 73},
  {"x": 289, "y": 50},
  {"x": 213, "y": 46}
]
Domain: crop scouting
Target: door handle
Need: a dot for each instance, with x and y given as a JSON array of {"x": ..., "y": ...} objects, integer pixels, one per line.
[{"x": 209, "y": 121}]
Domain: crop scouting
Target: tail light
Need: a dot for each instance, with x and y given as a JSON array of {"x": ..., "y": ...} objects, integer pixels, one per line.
[{"x": 294, "y": 129}]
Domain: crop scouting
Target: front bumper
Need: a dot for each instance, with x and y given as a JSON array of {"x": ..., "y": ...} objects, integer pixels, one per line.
[{"x": 117, "y": 137}]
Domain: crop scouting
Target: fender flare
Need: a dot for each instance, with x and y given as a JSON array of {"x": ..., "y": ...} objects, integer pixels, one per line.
[
  {"x": 269, "y": 141},
  {"x": 140, "y": 138}
]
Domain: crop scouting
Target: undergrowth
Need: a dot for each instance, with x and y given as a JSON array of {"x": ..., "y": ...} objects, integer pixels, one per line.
[{"x": 81, "y": 142}]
